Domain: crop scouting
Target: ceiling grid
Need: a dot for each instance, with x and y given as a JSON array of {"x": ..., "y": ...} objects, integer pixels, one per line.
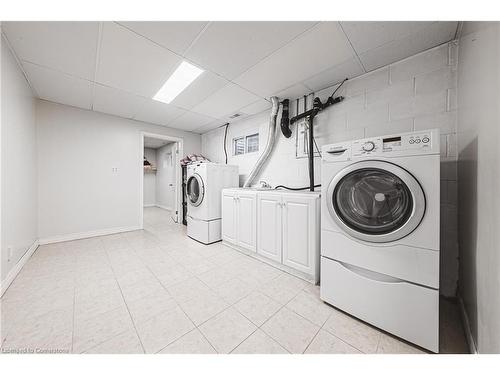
[{"x": 117, "y": 69}]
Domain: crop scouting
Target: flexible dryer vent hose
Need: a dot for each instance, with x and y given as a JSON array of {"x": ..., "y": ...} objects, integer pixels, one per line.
[{"x": 271, "y": 139}]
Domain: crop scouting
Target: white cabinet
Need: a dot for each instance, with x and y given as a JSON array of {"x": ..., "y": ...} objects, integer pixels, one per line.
[
  {"x": 269, "y": 218},
  {"x": 229, "y": 229},
  {"x": 300, "y": 233},
  {"x": 246, "y": 220},
  {"x": 239, "y": 225},
  {"x": 280, "y": 226}
]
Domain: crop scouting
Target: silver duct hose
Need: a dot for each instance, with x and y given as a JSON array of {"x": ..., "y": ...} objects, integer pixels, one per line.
[{"x": 271, "y": 138}]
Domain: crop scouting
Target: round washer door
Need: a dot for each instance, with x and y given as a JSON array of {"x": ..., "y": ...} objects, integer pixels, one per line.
[
  {"x": 376, "y": 201},
  {"x": 195, "y": 190}
]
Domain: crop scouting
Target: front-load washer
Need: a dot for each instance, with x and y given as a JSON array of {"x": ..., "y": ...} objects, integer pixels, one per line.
[
  {"x": 380, "y": 232},
  {"x": 204, "y": 185}
]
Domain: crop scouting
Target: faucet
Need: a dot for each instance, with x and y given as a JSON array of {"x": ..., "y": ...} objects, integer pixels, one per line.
[{"x": 264, "y": 185}]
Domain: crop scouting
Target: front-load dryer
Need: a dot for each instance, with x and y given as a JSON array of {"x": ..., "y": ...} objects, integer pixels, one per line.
[
  {"x": 380, "y": 232},
  {"x": 204, "y": 185}
]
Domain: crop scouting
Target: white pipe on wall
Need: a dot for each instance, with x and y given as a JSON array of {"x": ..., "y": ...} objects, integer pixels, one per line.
[{"x": 271, "y": 139}]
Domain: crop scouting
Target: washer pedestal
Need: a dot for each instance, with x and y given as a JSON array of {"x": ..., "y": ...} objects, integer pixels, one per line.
[{"x": 204, "y": 231}]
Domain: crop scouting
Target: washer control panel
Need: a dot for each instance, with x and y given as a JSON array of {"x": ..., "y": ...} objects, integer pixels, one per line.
[{"x": 408, "y": 142}]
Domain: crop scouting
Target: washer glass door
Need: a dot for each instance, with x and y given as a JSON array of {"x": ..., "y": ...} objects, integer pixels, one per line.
[
  {"x": 195, "y": 189},
  {"x": 376, "y": 201}
]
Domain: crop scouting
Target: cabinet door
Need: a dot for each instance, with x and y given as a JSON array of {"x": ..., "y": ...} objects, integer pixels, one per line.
[
  {"x": 269, "y": 226},
  {"x": 299, "y": 233},
  {"x": 229, "y": 227},
  {"x": 246, "y": 220}
]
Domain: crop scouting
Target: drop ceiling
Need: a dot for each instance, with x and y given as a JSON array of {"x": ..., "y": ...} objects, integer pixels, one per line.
[
  {"x": 117, "y": 67},
  {"x": 155, "y": 142}
]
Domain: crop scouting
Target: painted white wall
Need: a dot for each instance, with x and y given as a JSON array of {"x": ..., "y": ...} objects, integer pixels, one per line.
[
  {"x": 165, "y": 176},
  {"x": 413, "y": 94},
  {"x": 18, "y": 159},
  {"x": 77, "y": 151},
  {"x": 149, "y": 194},
  {"x": 479, "y": 180}
]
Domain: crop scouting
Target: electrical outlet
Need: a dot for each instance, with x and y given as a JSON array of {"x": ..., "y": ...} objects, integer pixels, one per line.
[{"x": 10, "y": 253}]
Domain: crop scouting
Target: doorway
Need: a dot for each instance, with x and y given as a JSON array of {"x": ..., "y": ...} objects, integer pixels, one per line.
[{"x": 160, "y": 178}]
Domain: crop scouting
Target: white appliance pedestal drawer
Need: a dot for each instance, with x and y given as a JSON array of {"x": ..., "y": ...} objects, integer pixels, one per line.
[
  {"x": 404, "y": 309},
  {"x": 204, "y": 231}
]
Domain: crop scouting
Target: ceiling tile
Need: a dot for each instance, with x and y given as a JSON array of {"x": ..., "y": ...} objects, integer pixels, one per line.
[
  {"x": 69, "y": 47},
  {"x": 132, "y": 63},
  {"x": 158, "y": 113},
  {"x": 213, "y": 125},
  {"x": 205, "y": 85},
  {"x": 369, "y": 35},
  {"x": 59, "y": 87},
  {"x": 230, "y": 48},
  {"x": 349, "y": 69},
  {"x": 190, "y": 120},
  {"x": 293, "y": 92},
  {"x": 226, "y": 101},
  {"x": 256, "y": 107},
  {"x": 177, "y": 36},
  {"x": 316, "y": 50},
  {"x": 437, "y": 33},
  {"x": 155, "y": 142},
  {"x": 116, "y": 102}
]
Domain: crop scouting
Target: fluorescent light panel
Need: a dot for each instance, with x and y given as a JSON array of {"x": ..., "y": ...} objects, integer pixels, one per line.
[{"x": 183, "y": 76}]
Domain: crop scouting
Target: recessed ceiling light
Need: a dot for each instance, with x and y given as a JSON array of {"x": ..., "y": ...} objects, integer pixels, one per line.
[{"x": 183, "y": 76}]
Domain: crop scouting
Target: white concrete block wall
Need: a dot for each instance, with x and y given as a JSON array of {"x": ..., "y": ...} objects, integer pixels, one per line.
[{"x": 414, "y": 94}]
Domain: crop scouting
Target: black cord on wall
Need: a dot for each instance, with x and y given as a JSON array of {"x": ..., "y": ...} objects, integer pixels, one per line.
[
  {"x": 293, "y": 188},
  {"x": 225, "y": 136}
]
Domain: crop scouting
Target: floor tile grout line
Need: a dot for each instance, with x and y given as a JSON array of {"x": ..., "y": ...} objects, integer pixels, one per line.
[
  {"x": 105, "y": 341},
  {"x": 242, "y": 341},
  {"x": 126, "y": 305},
  {"x": 319, "y": 330},
  {"x": 343, "y": 340},
  {"x": 177, "y": 339},
  {"x": 184, "y": 312},
  {"x": 213, "y": 289},
  {"x": 258, "y": 329},
  {"x": 74, "y": 312}
]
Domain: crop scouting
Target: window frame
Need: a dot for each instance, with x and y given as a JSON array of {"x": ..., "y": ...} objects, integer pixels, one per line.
[
  {"x": 245, "y": 139},
  {"x": 246, "y": 143},
  {"x": 235, "y": 140}
]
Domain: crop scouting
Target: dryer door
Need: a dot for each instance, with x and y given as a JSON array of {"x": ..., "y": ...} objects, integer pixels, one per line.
[
  {"x": 195, "y": 190},
  {"x": 376, "y": 201}
]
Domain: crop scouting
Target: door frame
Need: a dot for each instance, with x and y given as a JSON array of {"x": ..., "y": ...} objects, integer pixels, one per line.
[{"x": 178, "y": 172}]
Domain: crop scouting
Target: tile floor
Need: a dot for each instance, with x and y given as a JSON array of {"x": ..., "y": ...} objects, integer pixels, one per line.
[{"x": 157, "y": 291}]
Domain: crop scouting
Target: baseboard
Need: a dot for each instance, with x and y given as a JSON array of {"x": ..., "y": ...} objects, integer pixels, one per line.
[
  {"x": 164, "y": 207},
  {"x": 466, "y": 324},
  {"x": 17, "y": 268},
  {"x": 79, "y": 236},
  {"x": 149, "y": 205}
]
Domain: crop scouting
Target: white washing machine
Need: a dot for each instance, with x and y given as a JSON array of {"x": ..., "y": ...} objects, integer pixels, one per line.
[
  {"x": 380, "y": 232},
  {"x": 204, "y": 185}
]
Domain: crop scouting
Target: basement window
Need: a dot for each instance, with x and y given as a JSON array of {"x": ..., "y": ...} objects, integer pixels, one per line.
[
  {"x": 239, "y": 146},
  {"x": 246, "y": 144},
  {"x": 253, "y": 143}
]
